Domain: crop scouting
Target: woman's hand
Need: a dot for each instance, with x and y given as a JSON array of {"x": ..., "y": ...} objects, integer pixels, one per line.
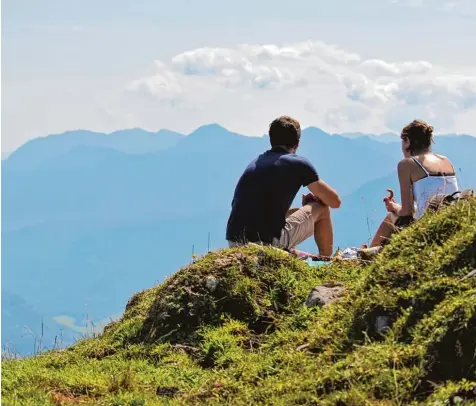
[
  {"x": 393, "y": 207},
  {"x": 390, "y": 204}
]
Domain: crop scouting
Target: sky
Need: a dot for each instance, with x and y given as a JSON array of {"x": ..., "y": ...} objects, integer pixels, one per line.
[{"x": 341, "y": 65}]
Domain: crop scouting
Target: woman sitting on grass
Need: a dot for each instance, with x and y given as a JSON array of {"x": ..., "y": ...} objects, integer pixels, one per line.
[{"x": 422, "y": 175}]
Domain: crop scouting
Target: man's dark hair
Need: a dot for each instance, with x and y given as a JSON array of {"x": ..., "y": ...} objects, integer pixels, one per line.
[
  {"x": 284, "y": 131},
  {"x": 420, "y": 135}
]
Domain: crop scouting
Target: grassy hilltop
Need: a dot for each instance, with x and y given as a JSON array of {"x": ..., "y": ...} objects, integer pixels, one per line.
[{"x": 232, "y": 328}]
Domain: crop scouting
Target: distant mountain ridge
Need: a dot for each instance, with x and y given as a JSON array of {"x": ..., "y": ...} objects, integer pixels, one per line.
[
  {"x": 386, "y": 137},
  {"x": 131, "y": 141},
  {"x": 135, "y": 141}
]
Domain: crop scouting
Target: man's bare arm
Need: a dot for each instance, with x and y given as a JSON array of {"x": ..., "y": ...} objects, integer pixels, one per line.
[{"x": 325, "y": 193}]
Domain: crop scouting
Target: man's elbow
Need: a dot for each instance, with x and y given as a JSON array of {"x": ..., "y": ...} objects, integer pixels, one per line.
[{"x": 336, "y": 203}]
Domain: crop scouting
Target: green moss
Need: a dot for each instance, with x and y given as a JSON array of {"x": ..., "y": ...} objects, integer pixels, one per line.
[
  {"x": 454, "y": 393},
  {"x": 232, "y": 328}
]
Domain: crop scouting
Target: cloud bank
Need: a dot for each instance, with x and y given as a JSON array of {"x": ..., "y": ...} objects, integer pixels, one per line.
[{"x": 245, "y": 86}]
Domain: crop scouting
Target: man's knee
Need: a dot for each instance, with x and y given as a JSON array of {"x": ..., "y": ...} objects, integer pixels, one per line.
[
  {"x": 391, "y": 218},
  {"x": 318, "y": 210}
]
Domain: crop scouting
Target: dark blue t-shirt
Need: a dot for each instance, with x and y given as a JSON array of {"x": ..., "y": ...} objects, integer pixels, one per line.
[{"x": 265, "y": 193}]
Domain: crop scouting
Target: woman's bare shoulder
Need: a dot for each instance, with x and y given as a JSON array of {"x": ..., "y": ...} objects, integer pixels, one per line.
[
  {"x": 445, "y": 158},
  {"x": 405, "y": 168},
  {"x": 405, "y": 163}
]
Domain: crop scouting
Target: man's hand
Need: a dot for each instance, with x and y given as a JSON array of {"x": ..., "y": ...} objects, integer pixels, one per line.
[{"x": 308, "y": 198}]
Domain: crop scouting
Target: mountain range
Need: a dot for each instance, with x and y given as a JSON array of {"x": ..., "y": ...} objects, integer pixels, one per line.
[{"x": 90, "y": 218}]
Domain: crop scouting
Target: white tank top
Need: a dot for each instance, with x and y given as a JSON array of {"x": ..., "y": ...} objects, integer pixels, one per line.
[{"x": 431, "y": 185}]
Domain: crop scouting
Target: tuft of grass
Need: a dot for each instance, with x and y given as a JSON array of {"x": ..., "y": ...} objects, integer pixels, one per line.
[{"x": 232, "y": 328}]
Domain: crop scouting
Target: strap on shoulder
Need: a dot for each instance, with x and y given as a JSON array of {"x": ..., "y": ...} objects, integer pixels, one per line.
[{"x": 421, "y": 166}]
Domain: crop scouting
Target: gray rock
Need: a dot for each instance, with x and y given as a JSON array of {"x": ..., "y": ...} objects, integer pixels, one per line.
[
  {"x": 382, "y": 324},
  {"x": 458, "y": 400},
  {"x": 211, "y": 283},
  {"x": 163, "y": 316},
  {"x": 469, "y": 275},
  {"x": 324, "y": 295}
]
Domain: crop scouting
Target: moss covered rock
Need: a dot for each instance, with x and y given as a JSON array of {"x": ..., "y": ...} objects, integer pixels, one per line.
[{"x": 252, "y": 285}]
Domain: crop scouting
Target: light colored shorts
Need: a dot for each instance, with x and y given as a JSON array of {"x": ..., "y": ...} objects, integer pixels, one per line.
[{"x": 299, "y": 227}]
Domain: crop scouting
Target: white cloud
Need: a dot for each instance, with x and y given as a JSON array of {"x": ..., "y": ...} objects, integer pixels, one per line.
[
  {"x": 210, "y": 61},
  {"x": 349, "y": 114},
  {"x": 452, "y": 90},
  {"x": 409, "y": 3},
  {"x": 247, "y": 85},
  {"x": 66, "y": 28},
  {"x": 459, "y": 6},
  {"x": 233, "y": 66},
  {"x": 376, "y": 67},
  {"x": 307, "y": 50},
  {"x": 164, "y": 84},
  {"x": 465, "y": 7}
]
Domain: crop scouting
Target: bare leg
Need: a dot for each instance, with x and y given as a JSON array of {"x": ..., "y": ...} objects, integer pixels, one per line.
[
  {"x": 324, "y": 234},
  {"x": 312, "y": 219},
  {"x": 385, "y": 231}
]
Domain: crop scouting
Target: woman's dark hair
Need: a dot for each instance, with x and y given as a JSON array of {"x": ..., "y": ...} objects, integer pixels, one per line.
[
  {"x": 284, "y": 131},
  {"x": 420, "y": 135}
]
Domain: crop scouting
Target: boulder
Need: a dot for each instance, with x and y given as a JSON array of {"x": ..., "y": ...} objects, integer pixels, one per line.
[{"x": 323, "y": 295}]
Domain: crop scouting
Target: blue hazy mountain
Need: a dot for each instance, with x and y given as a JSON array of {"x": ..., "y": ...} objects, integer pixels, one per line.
[
  {"x": 87, "y": 224},
  {"x": 131, "y": 141},
  {"x": 26, "y": 331},
  {"x": 386, "y": 137}
]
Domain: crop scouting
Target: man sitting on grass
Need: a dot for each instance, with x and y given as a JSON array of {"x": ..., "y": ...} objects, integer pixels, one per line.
[{"x": 263, "y": 196}]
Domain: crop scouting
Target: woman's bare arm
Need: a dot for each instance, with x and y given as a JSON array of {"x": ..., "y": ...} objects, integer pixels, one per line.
[{"x": 404, "y": 177}]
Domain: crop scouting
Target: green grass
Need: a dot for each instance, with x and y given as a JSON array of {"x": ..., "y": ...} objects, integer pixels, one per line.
[{"x": 231, "y": 329}]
